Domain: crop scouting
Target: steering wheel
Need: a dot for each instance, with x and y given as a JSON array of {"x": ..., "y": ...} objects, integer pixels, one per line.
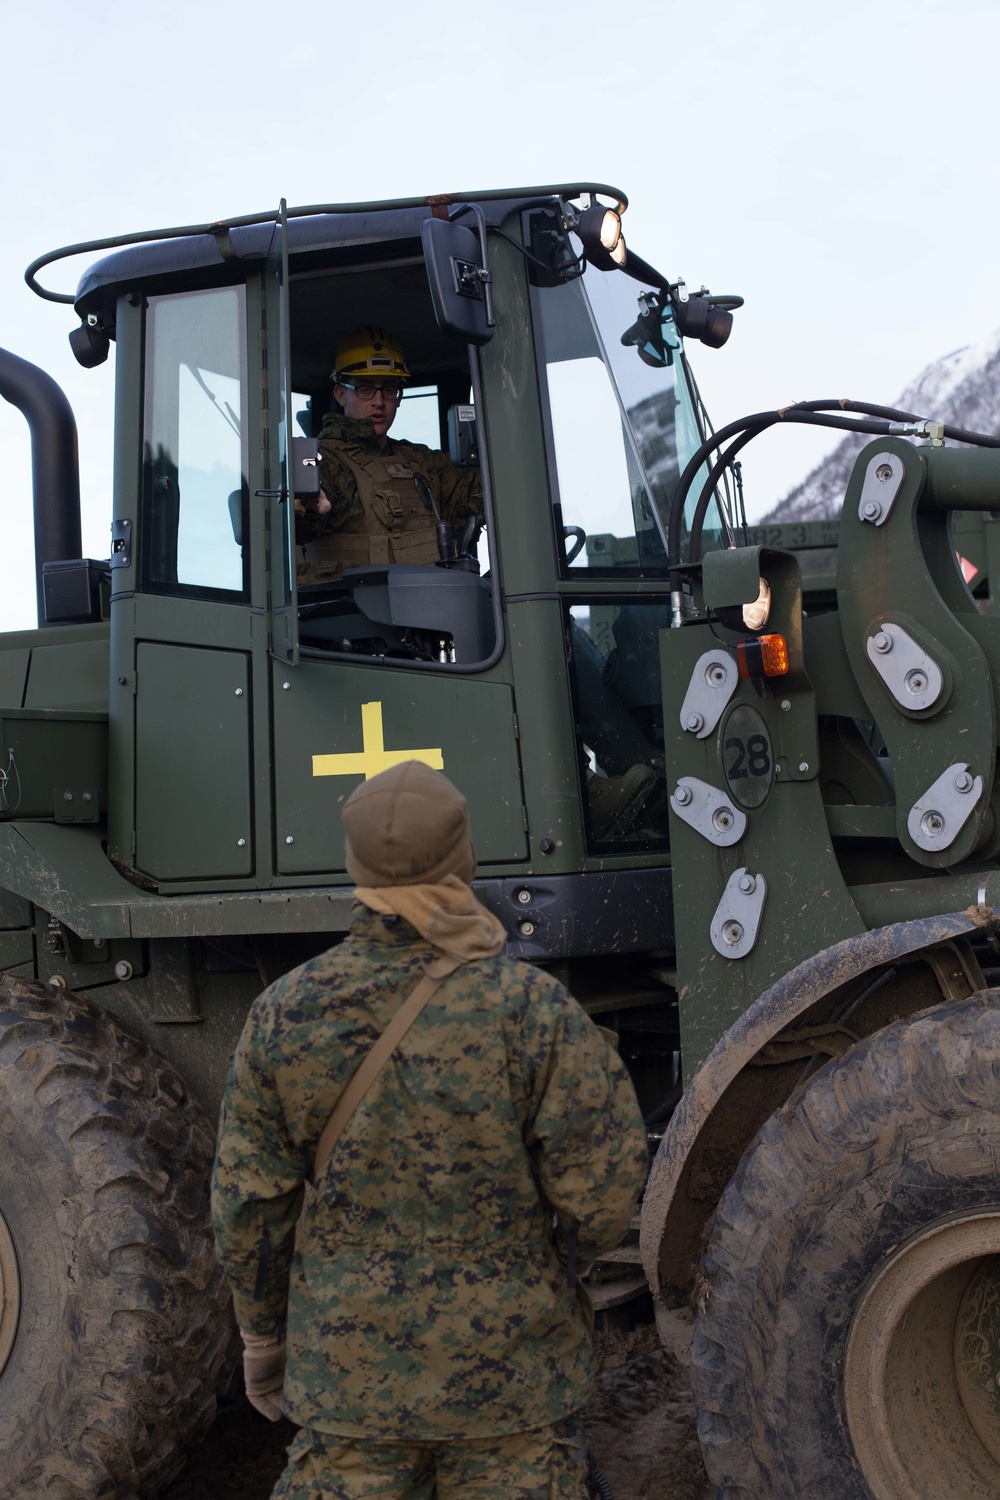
[{"x": 579, "y": 538}]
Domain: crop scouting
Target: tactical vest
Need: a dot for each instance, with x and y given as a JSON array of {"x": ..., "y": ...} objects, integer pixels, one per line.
[{"x": 398, "y": 527}]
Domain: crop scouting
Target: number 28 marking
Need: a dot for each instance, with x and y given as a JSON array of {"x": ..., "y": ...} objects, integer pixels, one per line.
[{"x": 753, "y": 757}]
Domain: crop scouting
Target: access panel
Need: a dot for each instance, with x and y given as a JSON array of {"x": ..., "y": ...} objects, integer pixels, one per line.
[
  {"x": 336, "y": 724},
  {"x": 192, "y": 748}
]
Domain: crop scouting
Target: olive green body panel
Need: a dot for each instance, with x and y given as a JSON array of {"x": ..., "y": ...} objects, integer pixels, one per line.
[
  {"x": 192, "y": 741},
  {"x": 62, "y": 667},
  {"x": 54, "y": 764},
  {"x": 337, "y": 723},
  {"x": 785, "y": 845},
  {"x": 14, "y": 662},
  {"x": 900, "y": 574}
]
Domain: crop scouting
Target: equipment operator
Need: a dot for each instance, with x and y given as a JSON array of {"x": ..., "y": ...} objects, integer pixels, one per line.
[
  {"x": 380, "y": 498},
  {"x": 404, "y": 1270}
]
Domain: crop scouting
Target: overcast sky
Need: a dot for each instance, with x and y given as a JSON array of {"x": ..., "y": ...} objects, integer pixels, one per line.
[{"x": 836, "y": 165}]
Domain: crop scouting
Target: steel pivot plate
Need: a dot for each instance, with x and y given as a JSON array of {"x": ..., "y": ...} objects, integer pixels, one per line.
[
  {"x": 737, "y": 917},
  {"x": 913, "y": 678},
  {"x": 938, "y": 817},
  {"x": 713, "y": 682},
  {"x": 708, "y": 811},
  {"x": 883, "y": 477}
]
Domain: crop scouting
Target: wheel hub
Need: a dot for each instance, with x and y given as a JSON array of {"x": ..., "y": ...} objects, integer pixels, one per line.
[
  {"x": 10, "y": 1293},
  {"x": 922, "y": 1370}
]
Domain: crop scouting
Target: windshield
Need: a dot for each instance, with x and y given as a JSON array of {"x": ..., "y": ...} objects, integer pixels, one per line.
[{"x": 622, "y": 426}]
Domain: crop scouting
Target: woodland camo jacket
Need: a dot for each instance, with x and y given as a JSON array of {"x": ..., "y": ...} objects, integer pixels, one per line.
[
  {"x": 458, "y": 492},
  {"x": 426, "y": 1293}
]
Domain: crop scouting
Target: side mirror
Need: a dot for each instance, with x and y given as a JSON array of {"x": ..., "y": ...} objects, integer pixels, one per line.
[{"x": 459, "y": 278}]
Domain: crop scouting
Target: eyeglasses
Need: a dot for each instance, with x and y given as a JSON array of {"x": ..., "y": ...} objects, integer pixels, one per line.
[{"x": 366, "y": 392}]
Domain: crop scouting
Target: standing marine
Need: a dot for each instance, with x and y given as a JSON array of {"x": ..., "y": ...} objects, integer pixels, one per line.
[
  {"x": 412, "y": 1300},
  {"x": 380, "y": 497}
]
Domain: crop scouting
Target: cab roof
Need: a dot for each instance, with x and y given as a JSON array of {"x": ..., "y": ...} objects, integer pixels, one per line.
[{"x": 219, "y": 252}]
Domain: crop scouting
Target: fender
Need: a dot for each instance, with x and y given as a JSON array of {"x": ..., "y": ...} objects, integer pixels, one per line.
[{"x": 725, "y": 1105}]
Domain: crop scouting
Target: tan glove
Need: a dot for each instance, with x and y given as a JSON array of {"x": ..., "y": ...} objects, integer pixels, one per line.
[{"x": 264, "y": 1371}]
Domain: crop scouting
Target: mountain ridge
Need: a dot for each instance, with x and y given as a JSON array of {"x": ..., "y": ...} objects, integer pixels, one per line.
[{"x": 961, "y": 388}]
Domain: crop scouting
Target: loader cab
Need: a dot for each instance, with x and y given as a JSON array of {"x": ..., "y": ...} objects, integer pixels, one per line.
[{"x": 247, "y": 700}]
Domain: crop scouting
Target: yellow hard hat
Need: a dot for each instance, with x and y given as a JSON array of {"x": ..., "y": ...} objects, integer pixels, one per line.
[{"x": 370, "y": 351}]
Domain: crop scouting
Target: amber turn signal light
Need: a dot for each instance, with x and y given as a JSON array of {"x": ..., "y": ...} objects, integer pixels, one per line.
[{"x": 767, "y": 656}]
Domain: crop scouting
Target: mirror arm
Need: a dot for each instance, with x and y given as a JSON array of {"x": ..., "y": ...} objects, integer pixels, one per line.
[{"x": 482, "y": 272}]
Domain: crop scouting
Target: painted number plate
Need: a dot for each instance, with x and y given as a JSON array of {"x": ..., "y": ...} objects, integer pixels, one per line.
[{"x": 747, "y": 757}]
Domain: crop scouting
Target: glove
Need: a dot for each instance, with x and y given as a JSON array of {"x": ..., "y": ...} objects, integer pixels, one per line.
[{"x": 264, "y": 1371}]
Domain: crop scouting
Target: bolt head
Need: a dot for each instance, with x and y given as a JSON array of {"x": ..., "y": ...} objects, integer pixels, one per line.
[
  {"x": 882, "y": 642},
  {"x": 57, "y": 981},
  {"x": 871, "y": 510},
  {"x": 785, "y": 705},
  {"x": 527, "y": 929},
  {"x": 693, "y": 723},
  {"x": 546, "y": 846},
  {"x": 803, "y": 766},
  {"x": 748, "y": 885},
  {"x": 963, "y": 782},
  {"x": 285, "y": 686},
  {"x": 289, "y": 839},
  {"x": 123, "y": 969},
  {"x": 241, "y": 843},
  {"x": 682, "y": 796},
  {"x": 524, "y": 897}
]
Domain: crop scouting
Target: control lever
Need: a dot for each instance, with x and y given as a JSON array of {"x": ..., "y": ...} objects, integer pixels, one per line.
[
  {"x": 445, "y": 531},
  {"x": 465, "y": 557},
  {"x": 445, "y": 541},
  {"x": 470, "y": 536}
]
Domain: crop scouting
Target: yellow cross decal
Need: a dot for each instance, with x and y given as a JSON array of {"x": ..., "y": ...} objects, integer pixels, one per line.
[{"x": 374, "y": 757}]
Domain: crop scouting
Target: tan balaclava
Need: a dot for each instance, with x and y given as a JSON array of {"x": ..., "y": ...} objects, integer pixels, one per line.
[{"x": 409, "y": 850}]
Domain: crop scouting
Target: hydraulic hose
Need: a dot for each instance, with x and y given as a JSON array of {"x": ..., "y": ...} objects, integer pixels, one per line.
[
  {"x": 748, "y": 427},
  {"x": 807, "y": 418}
]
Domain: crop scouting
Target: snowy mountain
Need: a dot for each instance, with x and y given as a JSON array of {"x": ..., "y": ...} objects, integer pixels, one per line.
[{"x": 962, "y": 389}]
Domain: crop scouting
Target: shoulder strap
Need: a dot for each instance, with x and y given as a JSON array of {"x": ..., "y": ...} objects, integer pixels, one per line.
[{"x": 378, "y": 1055}]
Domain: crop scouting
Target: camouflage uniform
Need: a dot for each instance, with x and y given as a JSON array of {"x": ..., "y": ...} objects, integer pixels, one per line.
[
  {"x": 547, "y": 1463},
  {"x": 426, "y": 1293},
  {"x": 377, "y": 513}
]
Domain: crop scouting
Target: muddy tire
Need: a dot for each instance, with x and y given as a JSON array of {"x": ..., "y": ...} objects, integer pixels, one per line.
[
  {"x": 847, "y": 1341},
  {"x": 114, "y": 1322}
]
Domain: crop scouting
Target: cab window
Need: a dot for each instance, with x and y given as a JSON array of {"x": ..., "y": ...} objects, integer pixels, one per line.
[
  {"x": 614, "y": 654},
  {"x": 620, "y": 428},
  {"x": 422, "y": 613},
  {"x": 194, "y": 491}
]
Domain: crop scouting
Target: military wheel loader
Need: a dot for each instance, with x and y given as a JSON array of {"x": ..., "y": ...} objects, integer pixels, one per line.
[{"x": 747, "y": 811}]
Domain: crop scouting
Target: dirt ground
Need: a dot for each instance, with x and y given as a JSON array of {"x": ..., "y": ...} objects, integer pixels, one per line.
[{"x": 640, "y": 1423}]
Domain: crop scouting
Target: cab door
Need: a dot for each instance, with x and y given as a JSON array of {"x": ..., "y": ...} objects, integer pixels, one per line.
[{"x": 189, "y": 619}]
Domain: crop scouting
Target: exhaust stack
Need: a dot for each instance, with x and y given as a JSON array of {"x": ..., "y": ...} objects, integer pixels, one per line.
[{"x": 55, "y": 462}]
